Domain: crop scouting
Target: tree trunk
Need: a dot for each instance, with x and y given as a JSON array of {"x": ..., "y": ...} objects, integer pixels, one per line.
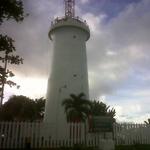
[
  {"x": 3, "y": 80},
  {"x": 85, "y": 138}
]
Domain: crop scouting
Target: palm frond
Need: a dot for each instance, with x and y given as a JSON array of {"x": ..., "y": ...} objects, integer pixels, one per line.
[{"x": 76, "y": 107}]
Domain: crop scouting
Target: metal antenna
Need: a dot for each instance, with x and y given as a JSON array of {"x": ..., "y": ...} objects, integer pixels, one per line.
[{"x": 69, "y": 8}]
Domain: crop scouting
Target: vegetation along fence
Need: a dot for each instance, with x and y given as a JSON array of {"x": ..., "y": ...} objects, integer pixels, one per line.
[{"x": 19, "y": 134}]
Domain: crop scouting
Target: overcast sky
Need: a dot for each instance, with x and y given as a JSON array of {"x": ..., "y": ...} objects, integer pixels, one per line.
[{"x": 118, "y": 52}]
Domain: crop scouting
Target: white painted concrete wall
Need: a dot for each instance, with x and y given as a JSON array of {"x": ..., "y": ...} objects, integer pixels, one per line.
[{"x": 69, "y": 71}]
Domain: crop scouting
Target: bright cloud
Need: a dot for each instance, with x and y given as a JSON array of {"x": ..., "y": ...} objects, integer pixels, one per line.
[
  {"x": 29, "y": 86},
  {"x": 84, "y": 1}
]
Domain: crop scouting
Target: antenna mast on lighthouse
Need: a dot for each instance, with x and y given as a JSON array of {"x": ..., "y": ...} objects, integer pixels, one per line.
[{"x": 69, "y": 8}]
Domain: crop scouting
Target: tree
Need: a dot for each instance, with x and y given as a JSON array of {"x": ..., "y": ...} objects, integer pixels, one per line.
[
  {"x": 101, "y": 115},
  {"x": 147, "y": 122},
  {"x": 22, "y": 108},
  {"x": 6, "y": 46},
  {"x": 40, "y": 108},
  {"x": 77, "y": 108},
  {"x": 9, "y": 9},
  {"x": 101, "y": 109}
]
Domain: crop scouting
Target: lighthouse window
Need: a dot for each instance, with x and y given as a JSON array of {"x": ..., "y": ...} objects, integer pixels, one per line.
[{"x": 74, "y": 36}]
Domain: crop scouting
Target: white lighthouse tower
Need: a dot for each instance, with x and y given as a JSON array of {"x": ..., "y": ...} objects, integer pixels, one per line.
[{"x": 69, "y": 66}]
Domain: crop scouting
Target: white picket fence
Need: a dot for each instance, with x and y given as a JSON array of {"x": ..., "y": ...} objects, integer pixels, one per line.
[
  {"x": 17, "y": 134},
  {"x": 129, "y": 134}
]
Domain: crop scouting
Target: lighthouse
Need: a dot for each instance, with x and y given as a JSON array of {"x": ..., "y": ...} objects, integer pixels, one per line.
[{"x": 69, "y": 74}]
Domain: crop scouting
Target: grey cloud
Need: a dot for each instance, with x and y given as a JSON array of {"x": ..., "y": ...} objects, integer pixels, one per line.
[
  {"x": 106, "y": 71},
  {"x": 128, "y": 36},
  {"x": 31, "y": 36}
]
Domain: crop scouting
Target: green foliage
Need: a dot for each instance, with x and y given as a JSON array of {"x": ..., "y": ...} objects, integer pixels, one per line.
[
  {"x": 39, "y": 107},
  {"x": 76, "y": 108},
  {"x": 22, "y": 108},
  {"x": 6, "y": 44},
  {"x": 6, "y": 49},
  {"x": 11, "y": 9},
  {"x": 147, "y": 122},
  {"x": 101, "y": 109}
]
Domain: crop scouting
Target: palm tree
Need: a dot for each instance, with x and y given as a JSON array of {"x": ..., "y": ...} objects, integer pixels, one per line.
[
  {"x": 101, "y": 109},
  {"x": 147, "y": 122},
  {"x": 77, "y": 109}
]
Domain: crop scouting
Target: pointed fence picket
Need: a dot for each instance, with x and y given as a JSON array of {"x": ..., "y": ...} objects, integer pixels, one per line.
[
  {"x": 129, "y": 134},
  {"x": 16, "y": 134}
]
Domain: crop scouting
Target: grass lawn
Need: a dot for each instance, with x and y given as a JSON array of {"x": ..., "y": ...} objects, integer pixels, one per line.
[
  {"x": 121, "y": 147},
  {"x": 133, "y": 147}
]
